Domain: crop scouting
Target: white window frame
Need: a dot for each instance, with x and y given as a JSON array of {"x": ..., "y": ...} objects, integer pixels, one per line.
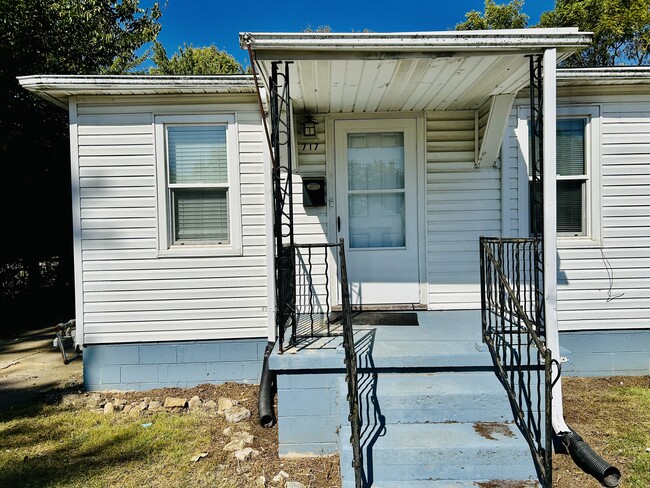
[
  {"x": 592, "y": 206},
  {"x": 166, "y": 245}
]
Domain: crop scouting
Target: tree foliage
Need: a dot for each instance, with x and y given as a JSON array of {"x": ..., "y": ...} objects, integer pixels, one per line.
[
  {"x": 496, "y": 16},
  {"x": 621, "y": 30},
  {"x": 53, "y": 37},
  {"x": 190, "y": 60}
]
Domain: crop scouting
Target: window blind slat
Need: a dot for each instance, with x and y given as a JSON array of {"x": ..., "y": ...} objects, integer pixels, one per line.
[
  {"x": 200, "y": 215},
  {"x": 197, "y": 154},
  {"x": 571, "y": 147},
  {"x": 569, "y": 206}
]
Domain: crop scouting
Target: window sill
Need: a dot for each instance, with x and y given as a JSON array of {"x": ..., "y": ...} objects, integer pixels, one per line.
[
  {"x": 199, "y": 251},
  {"x": 568, "y": 242}
]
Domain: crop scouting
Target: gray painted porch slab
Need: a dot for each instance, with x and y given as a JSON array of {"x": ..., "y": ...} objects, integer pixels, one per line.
[{"x": 442, "y": 340}]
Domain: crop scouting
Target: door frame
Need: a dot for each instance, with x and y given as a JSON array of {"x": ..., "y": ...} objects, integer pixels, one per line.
[{"x": 421, "y": 204}]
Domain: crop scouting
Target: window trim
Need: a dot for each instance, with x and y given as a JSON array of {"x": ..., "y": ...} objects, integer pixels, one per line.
[
  {"x": 593, "y": 204},
  {"x": 164, "y": 205}
]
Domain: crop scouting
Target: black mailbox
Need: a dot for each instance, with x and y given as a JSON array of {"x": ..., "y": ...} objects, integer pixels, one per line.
[{"x": 313, "y": 191}]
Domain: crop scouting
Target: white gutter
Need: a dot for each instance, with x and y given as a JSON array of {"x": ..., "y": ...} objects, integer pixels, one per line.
[
  {"x": 568, "y": 38},
  {"x": 615, "y": 74},
  {"x": 57, "y": 88}
]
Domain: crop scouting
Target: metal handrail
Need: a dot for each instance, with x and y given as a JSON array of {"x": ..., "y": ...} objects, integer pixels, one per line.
[
  {"x": 512, "y": 322},
  {"x": 351, "y": 377}
]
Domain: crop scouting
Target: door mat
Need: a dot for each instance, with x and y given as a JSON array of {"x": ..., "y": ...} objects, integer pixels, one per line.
[{"x": 381, "y": 318}]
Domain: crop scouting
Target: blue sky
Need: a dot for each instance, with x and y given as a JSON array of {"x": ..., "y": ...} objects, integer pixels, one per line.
[{"x": 205, "y": 22}]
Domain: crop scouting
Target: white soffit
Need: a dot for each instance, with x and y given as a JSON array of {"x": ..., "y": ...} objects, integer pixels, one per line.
[{"x": 365, "y": 73}]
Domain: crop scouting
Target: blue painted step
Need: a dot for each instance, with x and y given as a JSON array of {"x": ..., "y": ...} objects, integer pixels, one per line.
[
  {"x": 443, "y": 451},
  {"x": 421, "y": 430},
  {"x": 432, "y": 397},
  {"x": 457, "y": 484}
]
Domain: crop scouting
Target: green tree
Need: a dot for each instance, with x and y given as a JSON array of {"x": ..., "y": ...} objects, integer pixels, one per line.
[
  {"x": 496, "y": 16},
  {"x": 52, "y": 37},
  {"x": 621, "y": 30},
  {"x": 190, "y": 60}
]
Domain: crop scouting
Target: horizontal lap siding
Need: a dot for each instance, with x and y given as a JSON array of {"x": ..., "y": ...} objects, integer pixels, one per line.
[
  {"x": 609, "y": 288},
  {"x": 310, "y": 223},
  {"x": 463, "y": 203},
  {"x": 129, "y": 293}
]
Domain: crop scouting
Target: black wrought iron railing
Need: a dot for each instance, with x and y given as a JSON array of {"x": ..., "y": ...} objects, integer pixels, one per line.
[
  {"x": 314, "y": 313},
  {"x": 512, "y": 306},
  {"x": 351, "y": 376}
]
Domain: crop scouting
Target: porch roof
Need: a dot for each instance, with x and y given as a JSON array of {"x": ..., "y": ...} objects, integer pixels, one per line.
[{"x": 380, "y": 72}]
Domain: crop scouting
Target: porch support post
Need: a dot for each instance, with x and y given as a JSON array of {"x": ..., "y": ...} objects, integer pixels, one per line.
[{"x": 550, "y": 230}]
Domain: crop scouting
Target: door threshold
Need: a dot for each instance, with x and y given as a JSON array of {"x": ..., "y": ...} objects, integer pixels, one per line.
[{"x": 384, "y": 308}]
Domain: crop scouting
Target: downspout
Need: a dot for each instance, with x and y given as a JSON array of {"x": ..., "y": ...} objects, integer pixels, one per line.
[
  {"x": 583, "y": 455},
  {"x": 268, "y": 388}
]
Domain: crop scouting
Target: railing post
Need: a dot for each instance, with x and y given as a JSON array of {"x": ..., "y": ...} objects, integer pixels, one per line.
[{"x": 281, "y": 133}]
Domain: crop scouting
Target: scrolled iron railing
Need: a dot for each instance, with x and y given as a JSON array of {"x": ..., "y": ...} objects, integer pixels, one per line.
[{"x": 513, "y": 328}]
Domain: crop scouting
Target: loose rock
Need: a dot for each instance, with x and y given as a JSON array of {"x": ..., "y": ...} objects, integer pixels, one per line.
[
  {"x": 210, "y": 404},
  {"x": 109, "y": 408},
  {"x": 172, "y": 402},
  {"x": 234, "y": 445},
  {"x": 294, "y": 484},
  {"x": 127, "y": 408},
  {"x": 227, "y": 431},
  {"x": 243, "y": 436},
  {"x": 155, "y": 406},
  {"x": 281, "y": 476},
  {"x": 194, "y": 403},
  {"x": 246, "y": 454},
  {"x": 225, "y": 404},
  {"x": 260, "y": 482},
  {"x": 237, "y": 414}
]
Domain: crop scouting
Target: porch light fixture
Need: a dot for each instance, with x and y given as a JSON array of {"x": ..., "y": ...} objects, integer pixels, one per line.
[{"x": 309, "y": 126}]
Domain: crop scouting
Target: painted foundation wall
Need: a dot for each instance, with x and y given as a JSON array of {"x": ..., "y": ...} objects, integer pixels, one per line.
[
  {"x": 172, "y": 364},
  {"x": 599, "y": 353}
]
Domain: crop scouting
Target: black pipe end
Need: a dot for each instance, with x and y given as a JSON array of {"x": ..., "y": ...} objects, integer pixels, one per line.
[{"x": 590, "y": 462}]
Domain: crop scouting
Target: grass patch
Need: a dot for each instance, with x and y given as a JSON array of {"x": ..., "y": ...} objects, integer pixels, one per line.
[
  {"x": 56, "y": 447},
  {"x": 613, "y": 417},
  {"x": 72, "y": 445}
]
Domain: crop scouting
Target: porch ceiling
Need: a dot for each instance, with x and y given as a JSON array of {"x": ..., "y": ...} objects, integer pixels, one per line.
[{"x": 365, "y": 73}]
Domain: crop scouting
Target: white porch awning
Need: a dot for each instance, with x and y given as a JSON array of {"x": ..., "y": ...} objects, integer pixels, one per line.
[{"x": 373, "y": 72}]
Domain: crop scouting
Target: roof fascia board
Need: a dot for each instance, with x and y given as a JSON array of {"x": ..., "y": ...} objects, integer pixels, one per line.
[
  {"x": 613, "y": 74},
  {"x": 473, "y": 41}
]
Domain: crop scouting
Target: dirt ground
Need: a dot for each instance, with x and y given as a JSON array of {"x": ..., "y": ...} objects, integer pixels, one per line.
[{"x": 29, "y": 366}]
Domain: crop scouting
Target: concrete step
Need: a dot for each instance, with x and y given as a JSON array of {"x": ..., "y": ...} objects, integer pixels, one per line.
[
  {"x": 455, "y": 452},
  {"x": 459, "y": 484},
  {"x": 431, "y": 397}
]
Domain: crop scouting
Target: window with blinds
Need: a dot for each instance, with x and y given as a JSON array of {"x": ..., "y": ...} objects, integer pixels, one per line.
[
  {"x": 198, "y": 183},
  {"x": 572, "y": 177}
]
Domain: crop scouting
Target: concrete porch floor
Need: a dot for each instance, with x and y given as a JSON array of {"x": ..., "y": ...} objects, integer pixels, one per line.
[{"x": 442, "y": 340}]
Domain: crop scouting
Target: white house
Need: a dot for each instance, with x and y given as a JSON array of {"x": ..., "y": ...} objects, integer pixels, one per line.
[{"x": 421, "y": 144}]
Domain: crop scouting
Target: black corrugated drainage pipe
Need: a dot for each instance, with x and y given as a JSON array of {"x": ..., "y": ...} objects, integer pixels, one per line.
[
  {"x": 267, "y": 390},
  {"x": 587, "y": 459}
]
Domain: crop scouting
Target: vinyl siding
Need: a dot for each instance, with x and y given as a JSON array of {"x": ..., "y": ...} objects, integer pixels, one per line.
[
  {"x": 463, "y": 203},
  {"x": 605, "y": 284},
  {"x": 608, "y": 286},
  {"x": 131, "y": 294}
]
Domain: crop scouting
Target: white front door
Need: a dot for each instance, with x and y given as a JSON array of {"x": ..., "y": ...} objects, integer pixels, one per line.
[{"x": 376, "y": 208}]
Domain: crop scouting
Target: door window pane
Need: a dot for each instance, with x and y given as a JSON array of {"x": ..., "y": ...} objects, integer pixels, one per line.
[
  {"x": 377, "y": 220},
  {"x": 376, "y": 161}
]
